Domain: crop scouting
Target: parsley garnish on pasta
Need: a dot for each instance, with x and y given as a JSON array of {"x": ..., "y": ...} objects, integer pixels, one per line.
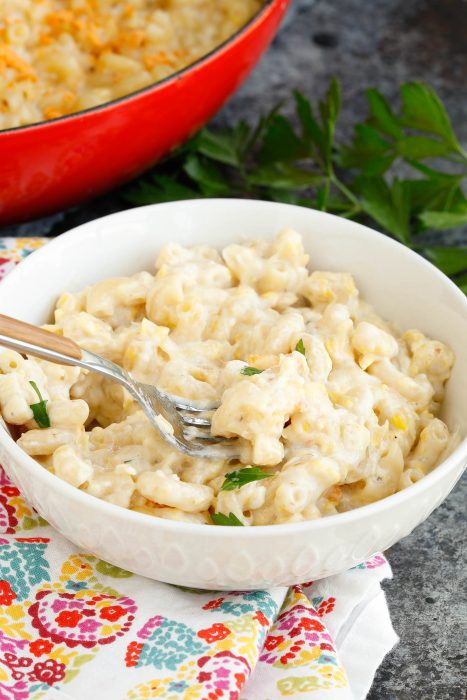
[
  {"x": 300, "y": 347},
  {"x": 221, "y": 519},
  {"x": 40, "y": 409},
  {"x": 240, "y": 477},
  {"x": 250, "y": 371}
]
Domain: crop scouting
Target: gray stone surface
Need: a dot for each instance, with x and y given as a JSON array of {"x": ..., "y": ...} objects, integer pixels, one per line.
[
  {"x": 427, "y": 599},
  {"x": 374, "y": 43}
]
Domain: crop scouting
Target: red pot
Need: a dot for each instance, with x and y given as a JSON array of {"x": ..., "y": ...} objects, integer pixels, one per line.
[{"x": 53, "y": 165}]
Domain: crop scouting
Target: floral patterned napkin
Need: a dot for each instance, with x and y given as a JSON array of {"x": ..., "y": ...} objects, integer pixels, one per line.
[{"x": 74, "y": 627}]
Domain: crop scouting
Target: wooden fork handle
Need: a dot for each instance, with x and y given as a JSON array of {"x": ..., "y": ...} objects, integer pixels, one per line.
[{"x": 11, "y": 328}]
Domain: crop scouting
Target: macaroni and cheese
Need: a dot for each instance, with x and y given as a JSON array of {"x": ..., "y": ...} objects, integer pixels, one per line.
[
  {"x": 60, "y": 57},
  {"x": 333, "y": 406}
]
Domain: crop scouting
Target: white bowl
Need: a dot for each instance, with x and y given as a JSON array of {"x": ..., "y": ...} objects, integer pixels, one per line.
[{"x": 402, "y": 286}]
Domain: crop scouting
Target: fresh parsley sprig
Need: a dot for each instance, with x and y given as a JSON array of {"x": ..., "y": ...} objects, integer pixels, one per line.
[
  {"x": 301, "y": 162},
  {"x": 250, "y": 371},
  {"x": 300, "y": 346},
  {"x": 230, "y": 519},
  {"x": 39, "y": 409},
  {"x": 240, "y": 477}
]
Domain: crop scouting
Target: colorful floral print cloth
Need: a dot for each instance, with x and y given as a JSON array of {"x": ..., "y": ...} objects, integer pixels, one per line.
[{"x": 74, "y": 627}]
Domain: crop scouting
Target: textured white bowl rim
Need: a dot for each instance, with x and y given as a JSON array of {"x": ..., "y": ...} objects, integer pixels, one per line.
[{"x": 67, "y": 491}]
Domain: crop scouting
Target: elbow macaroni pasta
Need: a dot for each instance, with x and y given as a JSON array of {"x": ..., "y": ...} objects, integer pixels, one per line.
[
  {"x": 343, "y": 412},
  {"x": 60, "y": 57}
]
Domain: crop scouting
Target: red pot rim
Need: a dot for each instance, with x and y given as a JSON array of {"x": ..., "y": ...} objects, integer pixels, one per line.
[{"x": 247, "y": 28}]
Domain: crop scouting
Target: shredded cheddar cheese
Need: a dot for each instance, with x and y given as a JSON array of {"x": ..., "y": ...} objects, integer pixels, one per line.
[{"x": 98, "y": 50}]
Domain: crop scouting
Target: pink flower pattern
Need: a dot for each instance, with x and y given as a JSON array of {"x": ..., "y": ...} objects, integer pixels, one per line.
[{"x": 77, "y": 621}]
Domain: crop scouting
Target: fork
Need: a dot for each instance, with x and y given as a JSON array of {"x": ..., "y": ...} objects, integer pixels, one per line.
[{"x": 184, "y": 424}]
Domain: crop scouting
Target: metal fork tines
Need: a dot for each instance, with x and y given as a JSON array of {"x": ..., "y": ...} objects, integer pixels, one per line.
[
  {"x": 191, "y": 424},
  {"x": 184, "y": 424}
]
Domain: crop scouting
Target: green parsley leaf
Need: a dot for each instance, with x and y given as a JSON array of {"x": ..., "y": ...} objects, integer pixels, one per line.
[
  {"x": 40, "y": 409},
  {"x": 433, "y": 193},
  {"x": 257, "y": 134},
  {"x": 250, "y": 371},
  {"x": 423, "y": 110},
  {"x": 388, "y": 206},
  {"x": 451, "y": 261},
  {"x": 421, "y": 147},
  {"x": 280, "y": 142},
  {"x": 441, "y": 220},
  {"x": 382, "y": 115},
  {"x": 312, "y": 132},
  {"x": 240, "y": 477},
  {"x": 300, "y": 347},
  {"x": 221, "y": 519},
  {"x": 160, "y": 188},
  {"x": 283, "y": 176},
  {"x": 207, "y": 175},
  {"x": 329, "y": 109},
  {"x": 225, "y": 146},
  {"x": 369, "y": 152}
]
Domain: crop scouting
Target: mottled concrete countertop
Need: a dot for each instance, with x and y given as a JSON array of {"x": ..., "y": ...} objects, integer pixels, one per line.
[{"x": 378, "y": 43}]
